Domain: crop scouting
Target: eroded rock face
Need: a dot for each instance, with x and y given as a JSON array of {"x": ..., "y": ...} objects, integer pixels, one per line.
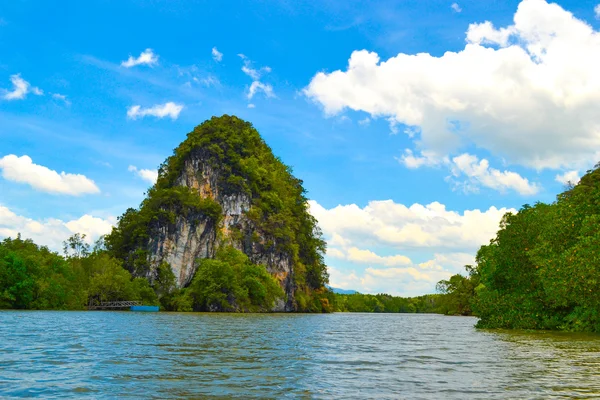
[
  {"x": 195, "y": 237},
  {"x": 182, "y": 247}
]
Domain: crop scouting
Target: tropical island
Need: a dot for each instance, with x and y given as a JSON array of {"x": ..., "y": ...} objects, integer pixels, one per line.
[{"x": 226, "y": 228}]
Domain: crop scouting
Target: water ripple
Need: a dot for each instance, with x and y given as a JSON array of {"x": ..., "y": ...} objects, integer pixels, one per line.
[{"x": 168, "y": 355}]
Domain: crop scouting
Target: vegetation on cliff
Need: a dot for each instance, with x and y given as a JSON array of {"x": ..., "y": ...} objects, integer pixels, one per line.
[
  {"x": 230, "y": 282},
  {"x": 244, "y": 165}
]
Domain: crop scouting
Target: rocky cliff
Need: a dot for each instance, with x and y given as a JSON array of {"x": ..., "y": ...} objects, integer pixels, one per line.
[{"x": 224, "y": 187}]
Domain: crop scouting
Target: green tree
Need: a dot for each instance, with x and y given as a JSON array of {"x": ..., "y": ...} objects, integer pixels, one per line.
[{"x": 76, "y": 246}]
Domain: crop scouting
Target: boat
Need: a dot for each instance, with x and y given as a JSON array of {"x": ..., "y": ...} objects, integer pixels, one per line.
[{"x": 144, "y": 308}]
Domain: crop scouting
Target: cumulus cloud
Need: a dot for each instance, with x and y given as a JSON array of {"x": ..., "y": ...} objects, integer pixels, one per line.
[
  {"x": 357, "y": 255},
  {"x": 216, "y": 55},
  {"x": 528, "y": 92},
  {"x": 147, "y": 57},
  {"x": 597, "y": 11},
  {"x": 148, "y": 175},
  {"x": 20, "y": 89},
  {"x": 455, "y": 7},
  {"x": 23, "y": 170},
  {"x": 427, "y": 227},
  {"x": 367, "y": 247},
  {"x": 479, "y": 173},
  {"x": 568, "y": 177},
  {"x": 169, "y": 109},
  {"x": 407, "y": 280},
  {"x": 52, "y": 232}
]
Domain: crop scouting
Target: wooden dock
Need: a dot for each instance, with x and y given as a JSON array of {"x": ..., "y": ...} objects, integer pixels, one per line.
[{"x": 114, "y": 305}]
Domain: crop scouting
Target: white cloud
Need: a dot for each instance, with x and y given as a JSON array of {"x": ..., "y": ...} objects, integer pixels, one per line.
[
  {"x": 20, "y": 89},
  {"x": 260, "y": 87},
  {"x": 148, "y": 175},
  {"x": 528, "y": 92},
  {"x": 250, "y": 105},
  {"x": 169, "y": 109},
  {"x": 427, "y": 158},
  {"x": 569, "y": 176},
  {"x": 480, "y": 173},
  {"x": 446, "y": 240},
  {"x": 343, "y": 279},
  {"x": 52, "y": 232},
  {"x": 23, "y": 170},
  {"x": 388, "y": 224},
  {"x": 208, "y": 81},
  {"x": 365, "y": 121},
  {"x": 216, "y": 55},
  {"x": 256, "y": 74},
  {"x": 61, "y": 97},
  {"x": 597, "y": 11},
  {"x": 147, "y": 57},
  {"x": 93, "y": 227},
  {"x": 455, "y": 7},
  {"x": 407, "y": 280},
  {"x": 357, "y": 255}
]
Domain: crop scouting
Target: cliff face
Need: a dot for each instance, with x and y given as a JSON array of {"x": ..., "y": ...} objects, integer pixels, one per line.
[
  {"x": 224, "y": 188},
  {"x": 194, "y": 237}
]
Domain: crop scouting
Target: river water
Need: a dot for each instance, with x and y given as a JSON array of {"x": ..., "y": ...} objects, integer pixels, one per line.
[{"x": 99, "y": 355}]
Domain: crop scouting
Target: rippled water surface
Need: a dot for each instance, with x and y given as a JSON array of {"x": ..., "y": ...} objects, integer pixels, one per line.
[{"x": 169, "y": 355}]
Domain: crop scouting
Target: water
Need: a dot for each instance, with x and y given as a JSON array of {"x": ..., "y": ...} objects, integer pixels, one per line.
[{"x": 168, "y": 355}]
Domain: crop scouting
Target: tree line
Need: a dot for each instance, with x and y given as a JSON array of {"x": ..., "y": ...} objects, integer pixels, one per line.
[{"x": 33, "y": 277}]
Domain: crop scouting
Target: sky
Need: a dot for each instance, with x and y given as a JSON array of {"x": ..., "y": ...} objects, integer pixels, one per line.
[{"x": 414, "y": 125}]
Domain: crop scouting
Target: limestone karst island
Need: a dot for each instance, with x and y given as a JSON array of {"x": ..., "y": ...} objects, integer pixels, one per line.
[{"x": 228, "y": 224}]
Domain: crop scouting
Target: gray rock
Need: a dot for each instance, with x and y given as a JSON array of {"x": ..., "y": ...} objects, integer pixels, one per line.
[{"x": 195, "y": 237}]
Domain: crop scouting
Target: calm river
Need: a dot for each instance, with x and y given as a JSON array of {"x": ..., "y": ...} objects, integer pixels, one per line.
[{"x": 168, "y": 355}]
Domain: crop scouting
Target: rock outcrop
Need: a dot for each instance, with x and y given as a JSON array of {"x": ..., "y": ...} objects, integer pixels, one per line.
[
  {"x": 194, "y": 237},
  {"x": 221, "y": 187}
]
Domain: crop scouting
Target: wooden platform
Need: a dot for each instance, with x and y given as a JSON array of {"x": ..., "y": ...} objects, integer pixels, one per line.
[{"x": 114, "y": 305}]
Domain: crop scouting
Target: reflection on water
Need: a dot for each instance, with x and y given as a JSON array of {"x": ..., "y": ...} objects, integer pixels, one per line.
[{"x": 169, "y": 355}]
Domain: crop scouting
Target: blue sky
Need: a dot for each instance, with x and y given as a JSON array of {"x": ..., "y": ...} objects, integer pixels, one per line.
[{"x": 414, "y": 125}]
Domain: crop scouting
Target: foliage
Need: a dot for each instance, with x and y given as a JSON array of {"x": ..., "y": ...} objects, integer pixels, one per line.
[
  {"x": 76, "y": 246},
  {"x": 33, "y": 277},
  {"x": 232, "y": 283},
  {"x": 385, "y": 303},
  {"x": 458, "y": 293},
  {"x": 542, "y": 271}
]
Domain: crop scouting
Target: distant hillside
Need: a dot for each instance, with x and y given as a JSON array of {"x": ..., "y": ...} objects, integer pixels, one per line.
[{"x": 342, "y": 291}]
